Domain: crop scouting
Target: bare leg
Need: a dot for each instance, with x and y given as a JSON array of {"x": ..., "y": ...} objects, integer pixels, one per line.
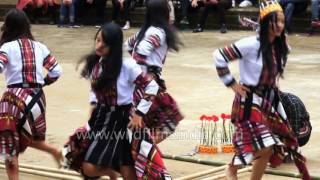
[
  {"x": 231, "y": 172},
  {"x": 128, "y": 173},
  {"x": 92, "y": 170},
  {"x": 260, "y": 163},
  {"x": 12, "y": 168},
  {"x": 43, "y": 146}
]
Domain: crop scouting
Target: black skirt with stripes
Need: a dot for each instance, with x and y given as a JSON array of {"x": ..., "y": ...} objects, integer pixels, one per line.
[{"x": 110, "y": 145}]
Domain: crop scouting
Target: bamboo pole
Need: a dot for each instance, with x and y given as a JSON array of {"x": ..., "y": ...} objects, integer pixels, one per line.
[
  {"x": 217, "y": 163},
  {"x": 218, "y": 176},
  {"x": 45, "y": 174},
  {"x": 288, "y": 174},
  {"x": 202, "y": 173},
  {"x": 50, "y": 170},
  {"x": 192, "y": 160},
  {"x": 223, "y": 175},
  {"x": 178, "y": 158}
]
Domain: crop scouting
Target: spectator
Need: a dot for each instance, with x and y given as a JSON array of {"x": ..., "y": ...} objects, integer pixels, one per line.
[
  {"x": 208, "y": 5},
  {"x": 122, "y": 5},
  {"x": 82, "y": 7},
  {"x": 185, "y": 5},
  {"x": 31, "y": 8},
  {"x": 67, "y": 6},
  {"x": 52, "y": 10},
  {"x": 37, "y": 8},
  {"x": 22, "y": 4},
  {"x": 292, "y": 7},
  {"x": 315, "y": 13}
]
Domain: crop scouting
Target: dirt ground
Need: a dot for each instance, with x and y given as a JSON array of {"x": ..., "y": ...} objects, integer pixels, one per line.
[{"x": 191, "y": 78}]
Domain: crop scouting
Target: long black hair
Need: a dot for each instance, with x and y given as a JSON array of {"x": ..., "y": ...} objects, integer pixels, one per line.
[
  {"x": 280, "y": 44},
  {"x": 16, "y": 25},
  {"x": 111, "y": 65},
  {"x": 158, "y": 15}
]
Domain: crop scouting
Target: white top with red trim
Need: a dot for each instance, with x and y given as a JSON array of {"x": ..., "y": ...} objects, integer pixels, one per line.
[
  {"x": 130, "y": 76},
  {"x": 22, "y": 61},
  {"x": 250, "y": 64},
  {"x": 152, "y": 49}
]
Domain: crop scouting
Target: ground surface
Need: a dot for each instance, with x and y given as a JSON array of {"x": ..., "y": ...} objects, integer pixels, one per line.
[{"x": 191, "y": 79}]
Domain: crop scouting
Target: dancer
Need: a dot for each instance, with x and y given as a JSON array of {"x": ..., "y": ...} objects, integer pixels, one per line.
[
  {"x": 23, "y": 104},
  {"x": 112, "y": 81},
  {"x": 149, "y": 47},
  {"x": 263, "y": 132}
]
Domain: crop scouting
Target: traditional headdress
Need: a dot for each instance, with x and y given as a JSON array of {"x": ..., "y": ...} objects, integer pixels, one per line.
[{"x": 268, "y": 6}]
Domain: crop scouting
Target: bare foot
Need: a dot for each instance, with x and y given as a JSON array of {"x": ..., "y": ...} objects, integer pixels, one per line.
[
  {"x": 231, "y": 172},
  {"x": 57, "y": 154}
]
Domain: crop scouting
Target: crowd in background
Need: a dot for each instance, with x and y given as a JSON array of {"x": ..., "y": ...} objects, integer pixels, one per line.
[{"x": 74, "y": 13}]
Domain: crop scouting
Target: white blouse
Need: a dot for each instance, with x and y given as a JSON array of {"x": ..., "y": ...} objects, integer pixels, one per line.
[
  {"x": 125, "y": 86},
  {"x": 152, "y": 48},
  {"x": 250, "y": 64},
  {"x": 22, "y": 61}
]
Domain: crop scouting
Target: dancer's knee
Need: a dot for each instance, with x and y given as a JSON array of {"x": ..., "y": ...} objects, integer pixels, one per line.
[
  {"x": 128, "y": 173},
  {"x": 89, "y": 169}
]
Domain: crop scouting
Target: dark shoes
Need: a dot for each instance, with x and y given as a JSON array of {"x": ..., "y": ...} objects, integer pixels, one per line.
[
  {"x": 70, "y": 25},
  {"x": 197, "y": 29},
  {"x": 184, "y": 21},
  {"x": 223, "y": 28}
]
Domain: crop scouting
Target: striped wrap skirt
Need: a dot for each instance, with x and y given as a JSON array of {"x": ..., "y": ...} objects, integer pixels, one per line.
[
  {"x": 260, "y": 121},
  {"x": 164, "y": 115},
  {"x": 22, "y": 119}
]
